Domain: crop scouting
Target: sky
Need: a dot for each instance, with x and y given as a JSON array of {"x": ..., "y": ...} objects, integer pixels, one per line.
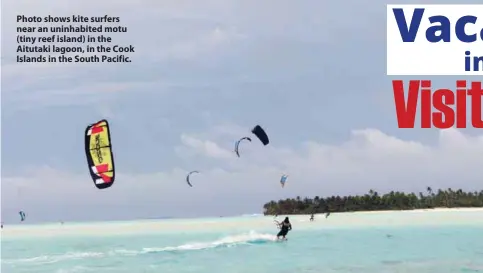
[{"x": 312, "y": 73}]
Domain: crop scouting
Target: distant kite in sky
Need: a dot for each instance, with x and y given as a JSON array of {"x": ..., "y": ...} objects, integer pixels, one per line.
[
  {"x": 238, "y": 143},
  {"x": 188, "y": 178},
  {"x": 283, "y": 180},
  {"x": 259, "y": 133},
  {"x": 22, "y": 216}
]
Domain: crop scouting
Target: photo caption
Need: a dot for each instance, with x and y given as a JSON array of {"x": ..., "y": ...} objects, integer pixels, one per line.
[{"x": 71, "y": 39}]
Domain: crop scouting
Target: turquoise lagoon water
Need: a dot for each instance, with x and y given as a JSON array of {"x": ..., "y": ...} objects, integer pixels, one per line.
[{"x": 415, "y": 242}]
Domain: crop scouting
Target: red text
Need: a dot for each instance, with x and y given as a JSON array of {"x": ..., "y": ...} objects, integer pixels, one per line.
[{"x": 442, "y": 100}]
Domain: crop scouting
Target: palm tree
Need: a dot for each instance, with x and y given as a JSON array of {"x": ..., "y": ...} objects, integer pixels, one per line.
[{"x": 373, "y": 201}]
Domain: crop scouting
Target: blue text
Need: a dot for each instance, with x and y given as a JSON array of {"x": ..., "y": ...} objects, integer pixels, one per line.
[{"x": 440, "y": 29}]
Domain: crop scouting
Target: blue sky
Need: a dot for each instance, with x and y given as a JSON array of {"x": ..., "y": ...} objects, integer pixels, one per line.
[{"x": 312, "y": 73}]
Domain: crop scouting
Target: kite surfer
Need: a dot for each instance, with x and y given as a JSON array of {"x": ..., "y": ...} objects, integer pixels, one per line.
[
  {"x": 285, "y": 227},
  {"x": 312, "y": 217}
]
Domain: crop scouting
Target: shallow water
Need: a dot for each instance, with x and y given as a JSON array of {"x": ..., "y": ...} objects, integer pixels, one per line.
[{"x": 321, "y": 246}]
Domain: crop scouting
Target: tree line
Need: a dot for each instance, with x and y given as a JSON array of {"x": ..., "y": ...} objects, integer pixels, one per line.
[{"x": 374, "y": 201}]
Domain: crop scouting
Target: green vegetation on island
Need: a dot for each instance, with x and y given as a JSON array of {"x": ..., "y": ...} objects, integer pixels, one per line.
[{"x": 372, "y": 201}]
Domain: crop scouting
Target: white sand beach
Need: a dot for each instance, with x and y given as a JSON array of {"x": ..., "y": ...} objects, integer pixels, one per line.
[{"x": 429, "y": 217}]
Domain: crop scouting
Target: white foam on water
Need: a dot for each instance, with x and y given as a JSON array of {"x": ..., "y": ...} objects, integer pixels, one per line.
[
  {"x": 248, "y": 238},
  {"x": 230, "y": 241},
  {"x": 252, "y": 215},
  {"x": 48, "y": 259},
  {"x": 76, "y": 269}
]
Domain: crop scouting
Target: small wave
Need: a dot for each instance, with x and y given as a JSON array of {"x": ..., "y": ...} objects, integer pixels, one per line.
[
  {"x": 252, "y": 238},
  {"x": 45, "y": 259},
  {"x": 76, "y": 269},
  {"x": 252, "y": 215}
]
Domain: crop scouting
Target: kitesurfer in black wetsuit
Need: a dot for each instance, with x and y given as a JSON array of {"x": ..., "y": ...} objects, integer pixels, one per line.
[{"x": 285, "y": 227}]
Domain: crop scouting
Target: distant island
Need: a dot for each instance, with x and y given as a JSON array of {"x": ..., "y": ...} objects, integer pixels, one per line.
[{"x": 372, "y": 201}]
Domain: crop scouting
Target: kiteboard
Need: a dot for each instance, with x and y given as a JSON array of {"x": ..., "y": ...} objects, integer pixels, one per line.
[{"x": 282, "y": 240}]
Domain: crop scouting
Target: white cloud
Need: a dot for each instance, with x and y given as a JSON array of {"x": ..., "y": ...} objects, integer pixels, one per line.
[
  {"x": 85, "y": 93},
  {"x": 209, "y": 41},
  {"x": 202, "y": 147},
  {"x": 370, "y": 159}
]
